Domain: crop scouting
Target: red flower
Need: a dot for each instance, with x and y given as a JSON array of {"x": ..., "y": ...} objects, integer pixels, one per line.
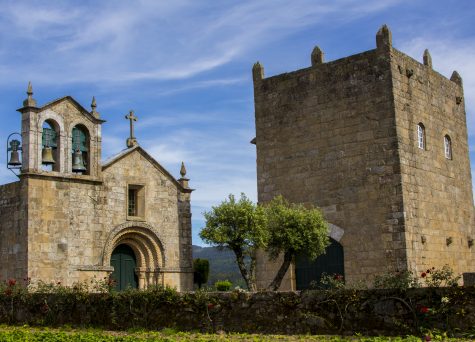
[
  {"x": 338, "y": 277},
  {"x": 423, "y": 309},
  {"x": 427, "y": 338},
  {"x": 210, "y": 306},
  {"x": 423, "y": 274},
  {"x": 428, "y": 271},
  {"x": 11, "y": 282}
]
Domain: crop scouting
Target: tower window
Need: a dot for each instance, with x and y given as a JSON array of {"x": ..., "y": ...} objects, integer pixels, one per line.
[
  {"x": 421, "y": 136},
  {"x": 135, "y": 201},
  {"x": 448, "y": 147}
]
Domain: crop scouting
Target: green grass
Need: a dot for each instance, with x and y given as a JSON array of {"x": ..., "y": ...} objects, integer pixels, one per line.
[{"x": 30, "y": 334}]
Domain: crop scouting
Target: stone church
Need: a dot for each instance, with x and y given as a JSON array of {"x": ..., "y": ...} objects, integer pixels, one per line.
[
  {"x": 378, "y": 141},
  {"x": 71, "y": 217}
]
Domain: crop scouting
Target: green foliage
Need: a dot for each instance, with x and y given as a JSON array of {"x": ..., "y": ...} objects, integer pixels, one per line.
[
  {"x": 433, "y": 277},
  {"x": 295, "y": 228},
  {"x": 222, "y": 265},
  {"x": 235, "y": 224},
  {"x": 201, "y": 273},
  {"x": 223, "y": 285},
  {"x": 239, "y": 226},
  {"x": 395, "y": 280},
  {"x": 443, "y": 277}
]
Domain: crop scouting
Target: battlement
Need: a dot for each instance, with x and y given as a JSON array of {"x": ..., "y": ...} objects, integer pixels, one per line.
[{"x": 383, "y": 46}]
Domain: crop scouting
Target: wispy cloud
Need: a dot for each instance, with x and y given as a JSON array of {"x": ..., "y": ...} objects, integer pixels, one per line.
[{"x": 149, "y": 40}]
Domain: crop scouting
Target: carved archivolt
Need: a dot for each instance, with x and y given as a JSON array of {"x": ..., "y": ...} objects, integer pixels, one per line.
[{"x": 144, "y": 241}]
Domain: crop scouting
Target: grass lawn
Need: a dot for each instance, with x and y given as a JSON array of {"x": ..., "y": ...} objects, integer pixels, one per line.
[{"x": 30, "y": 334}]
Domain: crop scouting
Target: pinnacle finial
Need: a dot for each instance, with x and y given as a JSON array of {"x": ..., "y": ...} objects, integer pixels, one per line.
[
  {"x": 384, "y": 37},
  {"x": 257, "y": 71},
  {"x": 30, "y": 101},
  {"x": 317, "y": 56},
  {"x": 94, "y": 112},
  {"x": 456, "y": 78},
  {"x": 427, "y": 58},
  {"x": 182, "y": 170}
]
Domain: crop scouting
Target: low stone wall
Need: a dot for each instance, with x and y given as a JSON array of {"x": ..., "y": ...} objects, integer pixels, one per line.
[{"x": 316, "y": 312}]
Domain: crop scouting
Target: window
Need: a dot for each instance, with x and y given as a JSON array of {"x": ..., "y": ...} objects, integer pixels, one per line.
[
  {"x": 448, "y": 147},
  {"x": 421, "y": 136},
  {"x": 135, "y": 201}
]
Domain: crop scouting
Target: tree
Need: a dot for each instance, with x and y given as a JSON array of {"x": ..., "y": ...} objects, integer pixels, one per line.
[
  {"x": 293, "y": 229},
  {"x": 201, "y": 267},
  {"x": 241, "y": 227}
]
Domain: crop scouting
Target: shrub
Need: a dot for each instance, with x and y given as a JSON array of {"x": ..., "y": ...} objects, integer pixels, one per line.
[
  {"x": 201, "y": 274},
  {"x": 223, "y": 285}
]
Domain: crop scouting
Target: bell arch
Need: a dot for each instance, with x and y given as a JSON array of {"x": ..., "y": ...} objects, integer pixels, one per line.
[
  {"x": 147, "y": 246},
  {"x": 80, "y": 149},
  {"x": 51, "y": 135}
]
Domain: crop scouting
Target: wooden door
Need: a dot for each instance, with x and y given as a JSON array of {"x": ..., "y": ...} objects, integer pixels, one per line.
[{"x": 124, "y": 263}]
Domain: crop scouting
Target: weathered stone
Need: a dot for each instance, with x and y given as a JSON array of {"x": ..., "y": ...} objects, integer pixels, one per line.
[
  {"x": 346, "y": 141},
  {"x": 64, "y": 226}
]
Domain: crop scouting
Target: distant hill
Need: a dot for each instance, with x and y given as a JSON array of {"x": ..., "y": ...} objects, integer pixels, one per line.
[{"x": 222, "y": 264}]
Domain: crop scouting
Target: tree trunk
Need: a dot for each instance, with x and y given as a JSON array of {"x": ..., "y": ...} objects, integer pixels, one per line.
[
  {"x": 252, "y": 272},
  {"x": 242, "y": 268},
  {"x": 274, "y": 286}
]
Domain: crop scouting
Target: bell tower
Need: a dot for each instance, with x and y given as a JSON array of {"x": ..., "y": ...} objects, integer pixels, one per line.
[{"x": 60, "y": 138}]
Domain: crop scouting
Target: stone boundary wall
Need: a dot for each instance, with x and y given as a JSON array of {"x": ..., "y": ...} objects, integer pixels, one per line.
[{"x": 370, "y": 312}]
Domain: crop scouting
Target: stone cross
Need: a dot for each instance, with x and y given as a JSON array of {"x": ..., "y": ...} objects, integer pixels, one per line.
[{"x": 131, "y": 141}]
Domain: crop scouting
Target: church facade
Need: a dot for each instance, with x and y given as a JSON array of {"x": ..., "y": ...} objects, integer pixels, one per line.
[
  {"x": 71, "y": 217},
  {"x": 378, "y": 141}
]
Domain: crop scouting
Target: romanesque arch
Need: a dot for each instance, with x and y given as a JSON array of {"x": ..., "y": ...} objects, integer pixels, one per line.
[{"x": 144, "y": 240}]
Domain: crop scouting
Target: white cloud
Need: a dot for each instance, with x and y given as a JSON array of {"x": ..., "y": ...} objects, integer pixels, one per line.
[{"x": 149, "y": 40}]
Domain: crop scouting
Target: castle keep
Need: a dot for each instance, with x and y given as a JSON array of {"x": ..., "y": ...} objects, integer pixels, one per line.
[
  {"x": 71, "y": 218},
  {"x": 378, "y": 141}
]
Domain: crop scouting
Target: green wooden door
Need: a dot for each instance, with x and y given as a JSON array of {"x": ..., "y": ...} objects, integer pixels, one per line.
[
  {"x": 308, "y": 271},
  {"x": 124, "y": 263}
]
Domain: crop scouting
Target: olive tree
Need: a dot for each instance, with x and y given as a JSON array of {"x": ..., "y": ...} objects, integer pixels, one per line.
[
  {"x": 293, "y": 229},
  {"x": 241, "y": 227}
]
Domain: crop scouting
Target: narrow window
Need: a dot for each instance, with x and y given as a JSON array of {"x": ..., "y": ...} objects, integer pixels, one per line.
[
  {"x": 421, "y": 136},
  {"x": 136, "y": 201},
  {"x": 448, "y": 147},
  {"x": 132, "y": 202}
]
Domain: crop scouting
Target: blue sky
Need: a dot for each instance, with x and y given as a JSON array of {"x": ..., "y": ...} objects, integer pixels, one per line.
[{"x": 184, "y": 66}]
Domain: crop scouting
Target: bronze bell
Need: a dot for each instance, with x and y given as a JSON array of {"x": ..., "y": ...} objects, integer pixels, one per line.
[
  {"x": 14, "y": 159},
  {"x": 78, "y": 162},
  {"x": 47, "y": 156}
]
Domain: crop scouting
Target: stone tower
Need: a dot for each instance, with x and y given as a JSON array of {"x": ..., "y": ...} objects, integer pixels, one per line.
[{"x": 378, "y": 141}]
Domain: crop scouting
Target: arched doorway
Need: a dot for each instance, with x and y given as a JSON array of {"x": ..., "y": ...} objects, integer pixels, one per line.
[
  {"x": 124, "y": 262},
  {"x": 308, "y": 271}
]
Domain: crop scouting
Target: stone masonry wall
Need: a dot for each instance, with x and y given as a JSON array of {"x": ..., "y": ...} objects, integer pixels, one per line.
[
  {"x": 166, "y": 209},
  {"x": 343, "y": 312},
  {"x": 438, "y": 202},
  {"x": 326, "y": 135},
  {"x": 13, "y": 235}
]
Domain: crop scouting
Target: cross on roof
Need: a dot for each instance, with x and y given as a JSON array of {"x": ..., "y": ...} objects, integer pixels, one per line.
[{"x": 131, "y": 141}]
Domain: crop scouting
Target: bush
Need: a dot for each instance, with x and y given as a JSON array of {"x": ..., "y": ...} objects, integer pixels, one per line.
[
  {"x": 223, "y": 285},
  {"x": 201, "y": 274}
]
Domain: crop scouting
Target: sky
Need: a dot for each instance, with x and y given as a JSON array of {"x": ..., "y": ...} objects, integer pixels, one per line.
[{"x": 184, "y": 67}]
